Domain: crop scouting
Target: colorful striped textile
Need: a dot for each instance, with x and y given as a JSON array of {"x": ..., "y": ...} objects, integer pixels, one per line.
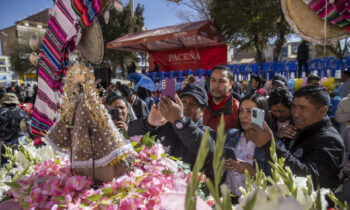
[
  {"x": 63, "y": 32},
  {"x": 337, "y": 11}
]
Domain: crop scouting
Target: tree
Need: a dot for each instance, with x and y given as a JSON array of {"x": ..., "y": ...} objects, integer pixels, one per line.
[
  {"x": 194, "y": 10},
  {"x": 251, "y": 24},
  {"x": 120, "y": 24}
]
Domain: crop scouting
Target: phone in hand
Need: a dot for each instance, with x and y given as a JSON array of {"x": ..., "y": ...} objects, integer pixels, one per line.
[
  {"x": 229, "y": 153},
  {"x": 169, "y": 88},
  {"x": 114, "y": 112},
  {"x": 258, "y": 117}
]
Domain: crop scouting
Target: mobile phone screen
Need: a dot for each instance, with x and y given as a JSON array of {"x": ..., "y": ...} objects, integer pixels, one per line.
[
  {"x": 169, "y": 88},
  {"x": 258, "y": 117}
]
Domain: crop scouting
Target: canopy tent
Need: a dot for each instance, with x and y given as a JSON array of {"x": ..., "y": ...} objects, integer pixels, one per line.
[
  {"x": 195, "y": 34},
  {"x": 185, "y": 46}
]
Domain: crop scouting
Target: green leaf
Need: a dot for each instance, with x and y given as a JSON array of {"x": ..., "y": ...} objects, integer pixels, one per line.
[
  {"x": 13, "y": 184},
  {"x": 57, "y": 161},
  {"x": 94, "y": 198},
  {"x": 173, "y": 158},
  {"x": 163, "y": 155},
  {"x": 107, "y": 190},
  {"x": 153, "y": 156},
  {"x": 59, "y": 199}
]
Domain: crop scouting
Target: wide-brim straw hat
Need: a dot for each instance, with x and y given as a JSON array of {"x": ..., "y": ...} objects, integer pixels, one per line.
[
  {"x": 308, "y": 25},
  {"x": 9, "y": 98},
  {"x": 91, "y": 43}
]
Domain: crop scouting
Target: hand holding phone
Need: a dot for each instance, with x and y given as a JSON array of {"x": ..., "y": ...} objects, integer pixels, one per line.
[
  {"x": 258, "y": 117},
  {"x": 169, "y": 88},
  {"x": 114, "y": 112},
  {"x": 229, "y": 153}
]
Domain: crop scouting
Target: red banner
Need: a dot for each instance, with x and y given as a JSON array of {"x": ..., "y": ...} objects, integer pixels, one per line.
[{"x": 190, "y": 58}]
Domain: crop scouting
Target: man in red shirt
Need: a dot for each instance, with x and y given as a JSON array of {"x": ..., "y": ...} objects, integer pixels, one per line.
[{"x": 221, "y": 100}]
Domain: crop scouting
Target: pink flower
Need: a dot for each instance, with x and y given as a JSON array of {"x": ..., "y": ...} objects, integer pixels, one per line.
[{"x": 136, "y": 138}]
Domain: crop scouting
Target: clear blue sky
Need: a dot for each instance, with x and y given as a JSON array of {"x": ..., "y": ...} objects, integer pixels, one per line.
[{"x": 158, "y": 13}]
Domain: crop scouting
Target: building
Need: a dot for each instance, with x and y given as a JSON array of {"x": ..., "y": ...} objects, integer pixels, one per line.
[
  {"x": 5, "y": 70},
  {"x": 15, "y": 38}
]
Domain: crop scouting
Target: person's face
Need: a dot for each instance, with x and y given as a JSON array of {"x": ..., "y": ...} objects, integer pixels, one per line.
[
  {"x": 281, "y": 112},
  {"x": 245, "y": 113},
  {"x": 314, "y": 83},
  {"x": 192, "y": 108},
  {"x": 305, "y": 114},
  {"x": 220, "y": 84},
  {"x": 123, "y": 109},
  {"x": 254, "y": 83}
]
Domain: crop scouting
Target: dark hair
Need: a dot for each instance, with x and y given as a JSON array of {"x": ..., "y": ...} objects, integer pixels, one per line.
[
  {"x": 316, "y": 95},
  {"x": 280, "y": 95},
  {"x": 225, "y": 68},
  {"x": 258, "y": 79},
  {"x": 313, "y": 78},
  {"x": 347, "y": 73},
  {"x": 143, "y": 93},
  {"x": 118, "y": 97},
  {"x": 261, "y": 103}
]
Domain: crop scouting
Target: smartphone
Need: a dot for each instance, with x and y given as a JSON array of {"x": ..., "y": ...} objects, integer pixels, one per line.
[
  {"x": 258, "y": 117},
  {"x": 229, "y": 152},
  {"x": 169, "y": 88},
  {"x": 114, "y": 112}
]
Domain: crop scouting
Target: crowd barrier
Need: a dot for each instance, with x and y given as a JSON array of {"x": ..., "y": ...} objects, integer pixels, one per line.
[{"x": 324, "y": 67}]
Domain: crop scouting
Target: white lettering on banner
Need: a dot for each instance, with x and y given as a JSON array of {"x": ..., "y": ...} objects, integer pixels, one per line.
[{"x": 189, "y": 56}]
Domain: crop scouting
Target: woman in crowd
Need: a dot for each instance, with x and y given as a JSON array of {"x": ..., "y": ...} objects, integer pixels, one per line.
[
  {"x": 123, "y": 115},
  {"x": 257, "y": 84},
  {"x": 244, "y": 149}
]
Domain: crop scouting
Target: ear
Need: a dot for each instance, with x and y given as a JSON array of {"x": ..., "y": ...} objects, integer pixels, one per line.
[{"x": 324, "y": 110}]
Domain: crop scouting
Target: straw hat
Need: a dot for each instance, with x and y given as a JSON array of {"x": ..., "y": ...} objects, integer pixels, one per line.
[
  {"x": 9, "y": 98},
  {"x": 91, "y": 43},
  {"x": 308, "y": 25}
]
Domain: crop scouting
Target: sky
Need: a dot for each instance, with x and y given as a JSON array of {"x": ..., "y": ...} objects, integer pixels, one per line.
[{"x": 158, "y": 13}]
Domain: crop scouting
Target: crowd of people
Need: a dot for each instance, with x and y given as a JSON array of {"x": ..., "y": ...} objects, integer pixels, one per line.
[{"x": 299, "y": 122}]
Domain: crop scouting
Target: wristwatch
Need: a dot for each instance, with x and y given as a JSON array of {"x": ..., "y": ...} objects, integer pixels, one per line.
[{"x": 180, "y": 124}]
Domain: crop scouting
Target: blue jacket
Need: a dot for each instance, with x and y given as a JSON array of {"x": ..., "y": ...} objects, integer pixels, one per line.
[{"x": 232, "y": 139}]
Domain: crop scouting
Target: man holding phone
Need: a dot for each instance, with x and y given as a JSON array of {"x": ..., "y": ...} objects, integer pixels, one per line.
[
  {"x": 221, "y": 100},
  {"x": 178, "y": 123},
  {"x": 317, "y": 149}
]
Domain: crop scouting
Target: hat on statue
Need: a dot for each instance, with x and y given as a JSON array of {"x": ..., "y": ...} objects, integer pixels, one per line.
[{"x": 306, "y": 17}]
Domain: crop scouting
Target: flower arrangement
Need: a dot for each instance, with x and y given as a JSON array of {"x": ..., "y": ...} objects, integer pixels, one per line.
[{"x": 50, "y": 183}]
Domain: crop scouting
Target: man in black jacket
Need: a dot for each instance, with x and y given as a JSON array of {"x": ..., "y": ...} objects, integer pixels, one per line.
[
  {"x": 178, "y": 124},
  {"x": 303, "y": 58},
  {"x": 280, "y": 102},
  {"x": 317, "y": 149}
]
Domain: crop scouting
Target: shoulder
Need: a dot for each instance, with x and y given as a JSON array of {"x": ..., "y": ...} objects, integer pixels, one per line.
[{"x": 233, "y": 135}]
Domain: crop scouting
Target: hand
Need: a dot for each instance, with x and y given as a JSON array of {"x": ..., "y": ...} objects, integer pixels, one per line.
[
  {"x": 287, "y": 131},
  {"x": 155, "y": 118},
  {"x": 121, "y": 125},
  {"x": 259, "y": 136},
  {"x": 239, "y": 166},
  {"x": 170, "y": 110}
]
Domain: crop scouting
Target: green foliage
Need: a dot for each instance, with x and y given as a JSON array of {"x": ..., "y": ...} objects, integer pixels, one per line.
[
  {"x": 190, "y": 201},
  {"x": 120, "y": 24},
  {"x": 251, "y": 24}
]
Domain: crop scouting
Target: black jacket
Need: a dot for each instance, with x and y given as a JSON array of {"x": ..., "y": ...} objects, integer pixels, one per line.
[
  {"x": 140, "y": 108},
  {"x": 317, "y": 150},
  {"x": 183, "y": 143},
  {"x": 303, "y": 51}
]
